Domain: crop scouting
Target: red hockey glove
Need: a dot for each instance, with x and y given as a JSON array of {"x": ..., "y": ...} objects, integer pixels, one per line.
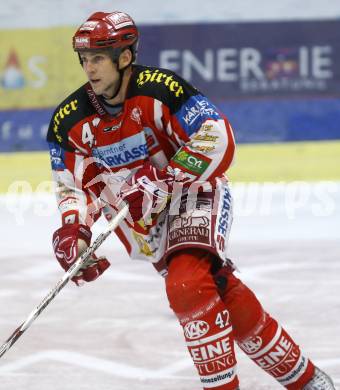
[
  {"x": 147, "y": 192},
  {"x": 68, "y": 243}
]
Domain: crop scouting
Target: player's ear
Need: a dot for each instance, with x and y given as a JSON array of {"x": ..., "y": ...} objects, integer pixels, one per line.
[{"x": 125, "y": 58}]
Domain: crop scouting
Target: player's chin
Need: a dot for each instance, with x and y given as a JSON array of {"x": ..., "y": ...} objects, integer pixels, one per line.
[{"x": 97, "y": 88}]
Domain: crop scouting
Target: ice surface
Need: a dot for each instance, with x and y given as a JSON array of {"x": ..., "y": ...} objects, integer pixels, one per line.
[{"x": 118, "y": 333}]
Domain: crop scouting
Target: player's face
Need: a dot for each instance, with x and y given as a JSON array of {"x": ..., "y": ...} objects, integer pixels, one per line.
[{"x": 101, "y": 72}]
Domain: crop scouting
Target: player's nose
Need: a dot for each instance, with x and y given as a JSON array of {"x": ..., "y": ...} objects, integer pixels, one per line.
[{"x": 89, "y": 67}]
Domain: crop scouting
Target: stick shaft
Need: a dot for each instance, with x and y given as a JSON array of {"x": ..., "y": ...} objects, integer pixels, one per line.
[{"x": 72, "y": 271}]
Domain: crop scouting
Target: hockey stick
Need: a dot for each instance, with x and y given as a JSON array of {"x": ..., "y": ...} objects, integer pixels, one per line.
[{"x": 64, "y": 280}]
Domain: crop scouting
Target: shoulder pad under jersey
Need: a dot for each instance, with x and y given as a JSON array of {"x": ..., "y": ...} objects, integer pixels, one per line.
[
  {"x": 161, "y": 84},
  {"x": 72, "y": 110}
]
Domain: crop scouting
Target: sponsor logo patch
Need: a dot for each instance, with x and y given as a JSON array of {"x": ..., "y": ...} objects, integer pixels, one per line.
[
  {"x": 251, "y": 345},
  {"x": 281, "y": 358},
  {"x": 144, "y": 244},
  {"x": 57, "y": 157},
  {"x": 196, "y": 110},
  {"x": 201, "y": 148},
  {"x": 205, "y": 137},
  {"x": 207, "y": 127},
  {"x": 191, "y": 228},
  {"x": 126, "y": 151},
  {"x": 224, "y": 218},
  {"x": 158, "y": 77},
  {"x": 61, "y": 114},
  {"x": 195, "y": 329},
  {"x": 192, "y": 163},
  {"x": 81, "y": 42},
  {"x": 120, "y": 19},
  {"x": 88, "y": 26},
  {"x": 214, "y": 350},
  {"x": 200, "y": 108},
  {"x": 112, "y": 128},
  {"x": 224, "y": 215}
]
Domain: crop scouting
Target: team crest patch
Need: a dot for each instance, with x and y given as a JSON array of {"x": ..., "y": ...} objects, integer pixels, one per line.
[{"x": 136, "y": 115}]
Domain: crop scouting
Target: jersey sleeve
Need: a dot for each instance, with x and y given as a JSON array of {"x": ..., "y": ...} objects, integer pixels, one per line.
[
  {"x": 201, "y": 137},
  {"x": 71, "y": 167},
  {"x": 208, "y": 141}
]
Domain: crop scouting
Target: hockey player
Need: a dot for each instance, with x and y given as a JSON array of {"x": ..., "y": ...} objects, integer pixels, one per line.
[{"x": 144, "y": 137}]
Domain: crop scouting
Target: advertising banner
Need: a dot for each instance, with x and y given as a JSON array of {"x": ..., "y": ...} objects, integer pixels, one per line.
[
  {"x": 247, "y": 60},
  {"x": 276, "y": 81},
  {"x": 38, "y": 67}
]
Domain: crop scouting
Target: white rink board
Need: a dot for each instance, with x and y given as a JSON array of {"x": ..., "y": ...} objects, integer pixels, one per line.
[
  {"x": 119, "y": 333},
  {"x": 42, "y": 14}
]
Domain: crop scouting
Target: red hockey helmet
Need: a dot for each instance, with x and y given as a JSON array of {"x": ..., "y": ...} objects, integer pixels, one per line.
[{"x": 116, "y": 31}]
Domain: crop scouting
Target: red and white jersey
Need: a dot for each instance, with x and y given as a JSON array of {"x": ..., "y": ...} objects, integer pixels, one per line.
[{"x": 163, "y": 119}]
